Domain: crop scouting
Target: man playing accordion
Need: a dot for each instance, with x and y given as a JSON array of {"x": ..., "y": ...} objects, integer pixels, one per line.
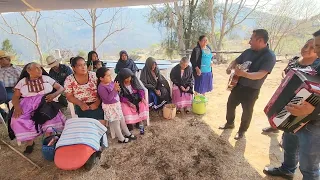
[{"x": 303, "y": 147}]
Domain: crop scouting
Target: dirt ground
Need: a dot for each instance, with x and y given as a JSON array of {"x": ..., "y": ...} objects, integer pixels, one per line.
[{"x": 188, "y": 147}]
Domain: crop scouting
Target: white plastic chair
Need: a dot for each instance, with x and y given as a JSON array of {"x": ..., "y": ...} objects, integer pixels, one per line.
[
  {"x": 3, "y": 122},
  {"x": 146, "y": 94},
  {"x": 74, "y": 115}
]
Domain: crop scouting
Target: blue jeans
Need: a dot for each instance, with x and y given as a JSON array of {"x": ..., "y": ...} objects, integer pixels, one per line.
[{"x": 303, "y": 147}]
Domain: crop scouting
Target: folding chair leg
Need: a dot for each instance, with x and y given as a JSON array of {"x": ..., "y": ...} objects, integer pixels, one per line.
[{"x": 3, "y": 122}]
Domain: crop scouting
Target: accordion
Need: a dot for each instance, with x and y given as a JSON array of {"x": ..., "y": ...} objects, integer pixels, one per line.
[{"x": 295, "y": 88}]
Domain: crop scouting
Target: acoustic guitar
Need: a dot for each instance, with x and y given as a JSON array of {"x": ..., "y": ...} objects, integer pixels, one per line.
[{"x": 233, "y": 79}]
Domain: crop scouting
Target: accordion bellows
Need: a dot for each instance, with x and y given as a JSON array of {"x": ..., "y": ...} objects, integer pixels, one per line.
[{"x": 295, "y": 88}]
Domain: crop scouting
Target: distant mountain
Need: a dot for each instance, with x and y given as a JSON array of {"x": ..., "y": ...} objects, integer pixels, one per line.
[{"x": 60, "y": 30}]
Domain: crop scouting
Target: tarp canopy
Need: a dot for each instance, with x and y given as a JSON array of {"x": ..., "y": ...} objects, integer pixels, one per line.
[{"x": 39, "y": 5}]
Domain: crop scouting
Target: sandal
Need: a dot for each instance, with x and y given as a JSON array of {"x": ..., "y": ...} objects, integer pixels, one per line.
[
  {"x": 131, "y": 137},
  {"x": 178, "y": 111},
  {"x": 126, "y": 140},
  {"x": 187, "y": 111},
  {"x": 29, "y": 149}
]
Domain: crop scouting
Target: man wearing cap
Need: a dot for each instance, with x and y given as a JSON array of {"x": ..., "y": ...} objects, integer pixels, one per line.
[
  {"x": 9, "y": 75},
  {"x": 58, "y": 72}
]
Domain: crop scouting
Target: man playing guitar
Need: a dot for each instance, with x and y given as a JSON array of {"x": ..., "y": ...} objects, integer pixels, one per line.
[{"x": 259, "y": 60}]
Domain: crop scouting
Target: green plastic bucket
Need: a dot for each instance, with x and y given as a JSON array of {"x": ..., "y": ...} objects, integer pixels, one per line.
[{"x": 199, "y": 104}]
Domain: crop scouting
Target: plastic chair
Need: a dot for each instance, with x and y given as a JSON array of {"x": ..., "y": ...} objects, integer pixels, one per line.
[{"x": 74, "y": 115}]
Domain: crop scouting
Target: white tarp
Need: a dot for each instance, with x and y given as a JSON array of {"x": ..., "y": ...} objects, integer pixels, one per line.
[{"x": 39, "y": 5}]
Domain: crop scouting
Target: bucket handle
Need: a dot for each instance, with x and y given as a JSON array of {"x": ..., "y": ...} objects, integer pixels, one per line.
[
  {"x": 200, "y": 101},
  {"x": 44, "y": 132}
]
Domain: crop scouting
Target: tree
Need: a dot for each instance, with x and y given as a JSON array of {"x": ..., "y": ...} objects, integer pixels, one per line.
[
  {"x": 94, "y": 19},
  {"x": 228, "y": 15},
  {"x": 183, "y": 23},
  {"x": 289, "y": 18},
  {"x": 32, "y": 21},
  {"x": 82, "y": 53},
  {"x": 7, "y": 46}
]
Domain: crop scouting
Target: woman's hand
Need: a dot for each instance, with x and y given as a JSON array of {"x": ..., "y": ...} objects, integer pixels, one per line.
[
  {"x": 17, "y": 112},
  {"x": 158, "y": 92},
  {"x": 198, "y": 71},
  {"x": 116, "y": 86},
  {"x": 94, "y": 106},
  {"x": 50, "y": 97},
  {"x": 182, "y": 88},
  {"x": 84, "y": 107},
  {"x": 131, "y": 105},
  {"x": 144, "y": 101},
  {"x": 302, "y": 109},
  {"x": 187, "y": 89}
]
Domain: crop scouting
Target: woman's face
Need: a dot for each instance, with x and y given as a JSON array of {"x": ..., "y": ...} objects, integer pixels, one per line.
[
  {"x": 127, "y": 81},
  {"x": 99, "y": 65},
  {"x": 124, "y": 57},
  {"x": 35, "y": 71},
  {"x": 80, "y": 67},
  {"x": 184, "y": 65},
  {"x": 107, "y": 77},
  {"x": 307, "y": 51},
  {"x": 94, "y": 57},
  {"x": 153, "y": 67},
  {"x": 203, "y": 42}
]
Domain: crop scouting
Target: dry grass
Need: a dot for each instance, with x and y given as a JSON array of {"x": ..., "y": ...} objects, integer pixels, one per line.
[{"x": 188, "y": 147}]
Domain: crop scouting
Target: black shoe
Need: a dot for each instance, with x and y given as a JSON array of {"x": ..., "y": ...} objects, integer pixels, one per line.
[
  {"x": 130, "y": 127},
  {"x": 277, "y": 172},
  {"x": 131, "y": 137},
  {"x": 270, "y": 130},
  {"x": 239, "y": 135},
  {"x": 29, "y": 149},
  {"x": 227, "y": 126}
]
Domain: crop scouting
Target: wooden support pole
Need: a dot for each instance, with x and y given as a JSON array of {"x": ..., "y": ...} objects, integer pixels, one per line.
[{"x": 24, "y": 157}]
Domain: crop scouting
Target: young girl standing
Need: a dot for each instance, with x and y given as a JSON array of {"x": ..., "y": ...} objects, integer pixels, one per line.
[{"x": 108, "y": 92}]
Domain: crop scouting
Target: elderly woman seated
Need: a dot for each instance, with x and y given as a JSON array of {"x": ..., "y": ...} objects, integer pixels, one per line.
[
  {"x": 182, "y": 90},
  {"x": 125, "y": 62},
  {"x": 31, "y": 92},
  {"x": 158, "y": 87}
]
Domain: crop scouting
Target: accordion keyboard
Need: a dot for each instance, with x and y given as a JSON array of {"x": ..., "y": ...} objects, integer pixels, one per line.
[{"x": 301, "y": 96}]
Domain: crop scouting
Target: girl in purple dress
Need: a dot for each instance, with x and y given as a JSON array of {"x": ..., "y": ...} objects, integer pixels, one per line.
[{"x": 108, "y": 92}]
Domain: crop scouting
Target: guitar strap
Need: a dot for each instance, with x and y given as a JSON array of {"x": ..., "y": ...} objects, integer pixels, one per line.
[{"x": 256, "y": 60}]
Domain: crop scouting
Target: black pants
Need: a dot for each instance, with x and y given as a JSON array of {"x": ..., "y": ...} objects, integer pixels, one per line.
[{"x": 245, "y": 96}]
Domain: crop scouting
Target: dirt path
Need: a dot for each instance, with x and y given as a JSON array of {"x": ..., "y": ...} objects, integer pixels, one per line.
[{"x": 188, "y": 147}]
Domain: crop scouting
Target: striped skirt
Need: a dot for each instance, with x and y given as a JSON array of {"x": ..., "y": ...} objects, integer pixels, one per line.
[
  {"x": 131, "y": 115},
  {"x": 183, "y": 100},
  {"x": 24, "y": 128}
]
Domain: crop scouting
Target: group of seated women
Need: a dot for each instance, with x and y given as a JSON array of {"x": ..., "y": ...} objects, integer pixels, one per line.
[{"x": 121, "y": 102}]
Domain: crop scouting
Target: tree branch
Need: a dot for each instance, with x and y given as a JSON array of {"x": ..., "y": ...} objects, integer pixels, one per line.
[
  {"x": 15, "y": 33},
  {"x": 83, "y": 19},
  {"x": 109, "y": 33}
]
